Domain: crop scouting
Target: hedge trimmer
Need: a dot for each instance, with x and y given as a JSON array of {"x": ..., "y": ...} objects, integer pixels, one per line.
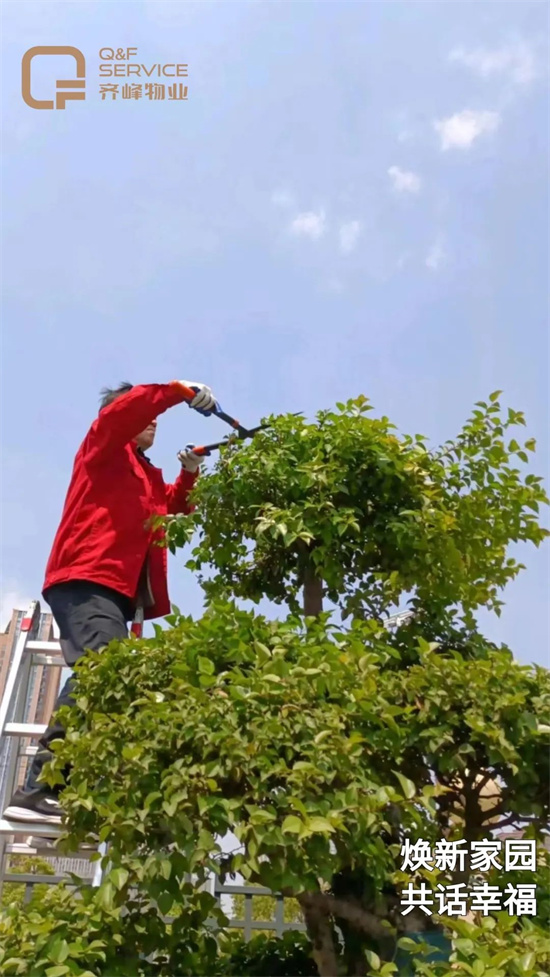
[
  {"x": 240, "y": 435},
  {"x": 240, "y": 432}
]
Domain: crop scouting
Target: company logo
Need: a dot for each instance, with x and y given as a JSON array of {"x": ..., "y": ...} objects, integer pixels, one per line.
[
  {"x": 66, "y": 90},
  {"x": 148, "y": 82}
]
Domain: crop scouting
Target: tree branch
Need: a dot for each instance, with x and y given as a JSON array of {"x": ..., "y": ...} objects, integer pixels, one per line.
[
  {"x": 517, "y": 819},
  {"x": 361, "y": 919},
  {"x": 313, "y": 593}
]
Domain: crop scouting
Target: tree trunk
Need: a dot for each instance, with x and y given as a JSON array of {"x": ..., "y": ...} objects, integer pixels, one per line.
[
  {"x": 319, "y": 930},
  {"x": 313, "y": 592}
]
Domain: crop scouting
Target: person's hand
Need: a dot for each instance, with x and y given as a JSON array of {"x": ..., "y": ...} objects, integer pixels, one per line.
[
  {"x": 188, "y": 459},
  {"x": 204, "y": 402}
]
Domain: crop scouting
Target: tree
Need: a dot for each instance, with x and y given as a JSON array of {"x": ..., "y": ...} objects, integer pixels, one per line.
[
  {"x": 347, "y": 508},
  {"x": 324, "y": 741}
]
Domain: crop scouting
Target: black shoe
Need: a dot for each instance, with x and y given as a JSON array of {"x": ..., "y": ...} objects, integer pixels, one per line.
[{"x": 40, "y": 806}]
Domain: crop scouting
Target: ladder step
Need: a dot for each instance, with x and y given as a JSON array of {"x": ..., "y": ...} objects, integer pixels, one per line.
[
  {"x": 83, "y": 854},
  {"x": 24, "y": 729},
  {"x": 55, "y": 661},
  {"x": 19, "y": 848},
  {"x": 47, "y": 647},
  {"x": 37, "y": 828},
  {"x": 34, "y": 879}
]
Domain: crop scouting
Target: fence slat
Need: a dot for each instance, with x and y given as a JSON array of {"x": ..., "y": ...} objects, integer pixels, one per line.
[
  {"x": 248, "y": 924},
  {"x": 280, "y": 915},
  {"x": 247, "y": 917}
]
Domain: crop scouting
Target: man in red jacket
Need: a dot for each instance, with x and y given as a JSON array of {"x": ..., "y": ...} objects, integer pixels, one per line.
[{"x": 104, "y": 562}]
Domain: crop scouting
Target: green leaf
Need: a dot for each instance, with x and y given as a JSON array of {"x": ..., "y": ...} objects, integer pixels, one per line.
[
  {"x": 292, "y": 825},
  {"x": 464, "y": 945},
  {"x": 153, "y": 796},
  {"x": 58, "y": 951},
  {"x": 205, "y": 666},
  {"x": 495, "y": 395},
  {"x": 105, "y": 895},
  {"x": 262, "y": 649},
  {"x": 502, "y": 957},
  {"x": 207, "y": 681},
  {"x": 319, "y": 824},
  {"x": 322, "y": 735},
  {"x": 527, "y": 961},
  {"x": 407, "y": 944},
  {"x": 119, "y": 877},
  {"x": 206, "y": 841},
  {"x": 165, "y": 902},
  {"x": 530, "y": 720},
  {"x": 373, "y": 959},
  {"x": 56, "y": 971},
  {"x": 407, "y": 786},
  {"x": 166, "y": 868}
]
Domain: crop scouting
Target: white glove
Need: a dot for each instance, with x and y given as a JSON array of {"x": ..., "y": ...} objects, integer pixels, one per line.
[
  {"x": 189, "y": 460},
  {"x": 205, "y": 401}
]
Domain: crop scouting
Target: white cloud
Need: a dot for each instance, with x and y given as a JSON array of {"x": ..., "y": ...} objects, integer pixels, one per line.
[
  {"x": 436, "y": 255},
  {"x": 282, "y": 198},
  {"x": 404, "y": 181},
  {"x": 12, "y": 598},
  {"x": 309, "y": 224},
  {"x": 349, "y": 235},
  {"x": 517, "y": 61},
  {"x": 460, "y": 130}
]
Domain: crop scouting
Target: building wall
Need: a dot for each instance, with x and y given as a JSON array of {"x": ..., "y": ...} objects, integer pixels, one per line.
[
  {"x": 7, "y": 644},
  {"x": 44, "y": 683}
]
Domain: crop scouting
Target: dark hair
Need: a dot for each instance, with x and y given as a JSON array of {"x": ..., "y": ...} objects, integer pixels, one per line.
[{"x": 108, "y": 394}]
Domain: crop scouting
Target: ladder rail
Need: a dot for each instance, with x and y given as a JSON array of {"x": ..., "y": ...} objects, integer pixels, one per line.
[
  {"x": 27, "y": 653},
  {"x": 13, "y": 706},
  {"x": 15, "y": 699},
  {"x": 12, "y": 752},
  {"x": 30, "y": 651},
  {"x": 28, "y": 627}
]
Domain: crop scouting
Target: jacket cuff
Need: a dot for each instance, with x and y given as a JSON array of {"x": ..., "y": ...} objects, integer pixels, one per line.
[
  {"x": 188, "y": 479},
  {"x": 178, "y": 389}
]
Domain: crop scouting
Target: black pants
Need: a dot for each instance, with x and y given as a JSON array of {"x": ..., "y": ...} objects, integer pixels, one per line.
[{"x": 89, "y": 616}]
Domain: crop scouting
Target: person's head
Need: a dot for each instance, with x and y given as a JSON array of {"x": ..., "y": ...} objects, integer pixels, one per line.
[{"x": 109, "y": 394}]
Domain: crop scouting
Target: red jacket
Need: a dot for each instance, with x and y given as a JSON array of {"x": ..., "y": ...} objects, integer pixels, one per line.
[{"x": 103, "y": 535}]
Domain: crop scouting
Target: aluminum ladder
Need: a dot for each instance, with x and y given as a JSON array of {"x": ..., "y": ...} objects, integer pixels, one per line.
[{"x": 28, "y": 653}]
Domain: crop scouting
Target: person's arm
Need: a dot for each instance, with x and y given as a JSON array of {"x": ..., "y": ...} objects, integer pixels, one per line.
[
  {"x": 177, "y": 495},
  {"x": 127, "y": 416}
]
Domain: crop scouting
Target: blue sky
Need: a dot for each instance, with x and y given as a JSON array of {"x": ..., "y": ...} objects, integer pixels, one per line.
[{"x": 352, "y": 200}]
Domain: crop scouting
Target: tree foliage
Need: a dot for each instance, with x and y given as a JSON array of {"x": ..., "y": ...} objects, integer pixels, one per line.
[
  {"x": 322, "y": 742},
  {"x": 372, "y": 514},
  {"x": 267, "y": 956}
]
